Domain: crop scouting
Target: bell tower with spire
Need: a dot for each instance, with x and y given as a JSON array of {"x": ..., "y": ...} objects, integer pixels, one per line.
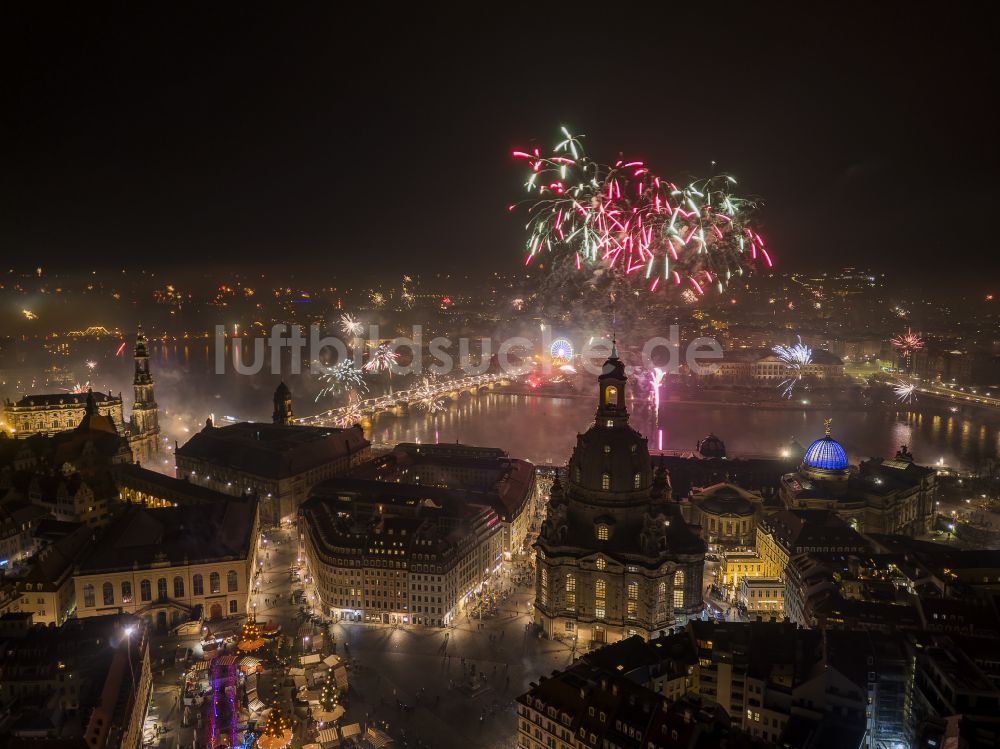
[
  {"x": 611, "y": 410},
  {"x": 145, "y": 432}
]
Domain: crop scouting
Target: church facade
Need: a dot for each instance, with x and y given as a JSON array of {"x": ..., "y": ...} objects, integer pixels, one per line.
[{"x": 614, "y": 556}]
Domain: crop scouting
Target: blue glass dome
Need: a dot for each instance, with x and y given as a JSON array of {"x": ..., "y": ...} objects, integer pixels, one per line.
[{"x": 826, "y": 454}]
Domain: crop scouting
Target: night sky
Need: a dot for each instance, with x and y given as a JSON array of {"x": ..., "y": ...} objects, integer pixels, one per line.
[{"x": 237, "y": 138}]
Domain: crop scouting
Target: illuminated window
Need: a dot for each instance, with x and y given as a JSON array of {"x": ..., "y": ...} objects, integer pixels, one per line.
[
  {"x": 602, "y": 533},
  {"x": 607, "y": 449},
  {"x": 601, "y": 564},
  {"x": 611, "y": 395},
  {"x": 571, "y": 592},
  {"x": 609, "y": 423},
  {"x": 599, "y": 591},
  {"x": 637, "y": 481},
  {"x": 605, "y": 480},
  {"x": 126, "y": 591},
  {"x": 544, "y": 584},
  {"x": 679, "y": 589},
  {"x": 600, "y": 588},
  {"x": 633, "y": 591}
]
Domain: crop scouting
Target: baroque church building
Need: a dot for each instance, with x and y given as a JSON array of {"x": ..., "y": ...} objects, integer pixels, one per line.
[{"x": 614, "y": 556}]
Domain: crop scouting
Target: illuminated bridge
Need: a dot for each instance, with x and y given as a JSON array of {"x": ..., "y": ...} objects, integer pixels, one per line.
[{"x": 399, "y": 403}]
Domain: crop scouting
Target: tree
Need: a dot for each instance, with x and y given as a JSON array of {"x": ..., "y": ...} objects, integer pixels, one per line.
[
  {"x": 328, "y": 695},
  {"x": 276, "y": 725}
]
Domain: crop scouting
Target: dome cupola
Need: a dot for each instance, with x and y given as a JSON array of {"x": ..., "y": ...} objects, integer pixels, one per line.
[{"x": 826, "y": 458}]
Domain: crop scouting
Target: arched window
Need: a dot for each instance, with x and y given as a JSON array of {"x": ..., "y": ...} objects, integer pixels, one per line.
[
  {"x": 602, "y": 533},
  {"x": 611, "y": 395},
  {"x": 679, "y": 589},
  {"x": 231, "y": 581},
  {"x": 605, "y": 480},
  {"x": 161, "y": 589},
  {"x": 571, "y": 592},
  {"x": 600, "y": 589},
  {"x": 126, "y": 591},
  {"x": 178, "y": 587},
  {"x": 215, "y": 583},
  {"x": 145, "y": 591},
  {"x": 637, "y": 481},
  {"x": 632, "y": 611},
  {"x": 198, "y": 585},
  {"x": 88, "y": 595},
  {"x": 661, "y": 599},
  {"x": 108, "y": 591}
]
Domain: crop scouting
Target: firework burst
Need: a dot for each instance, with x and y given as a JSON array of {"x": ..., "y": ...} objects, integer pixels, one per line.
[
  {"x": 381, "y": 358},
  {"x": 431, "y": 403},
  {"x": 91, "y": 364},
  {"x": 905, "y": 391},
  {"x": 342, "y": 377},
  {"x": 622, "y": 220},
  {"x": 906, "y": 343},
  {"x": 794, "y": 358},
  {"x": 349, "y": 416},
  {"x": 351, "y": 326}
]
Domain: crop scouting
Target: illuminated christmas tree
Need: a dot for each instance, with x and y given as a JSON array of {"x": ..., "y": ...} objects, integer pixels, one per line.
[
  {"x": 328, "y": 695},
  {"x": 250, "y": 635},
  {"x": 276, "y": 731}
]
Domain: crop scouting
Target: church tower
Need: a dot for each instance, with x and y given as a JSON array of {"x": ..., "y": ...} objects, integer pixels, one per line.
[
  {"x": 145, "y": 436},
  {"x": 614, "y": 556},
  {"x": 282, "y": 405}
]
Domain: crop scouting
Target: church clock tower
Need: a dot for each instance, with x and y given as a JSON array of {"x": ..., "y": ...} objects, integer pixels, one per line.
[{"x": 145, "y": 436}]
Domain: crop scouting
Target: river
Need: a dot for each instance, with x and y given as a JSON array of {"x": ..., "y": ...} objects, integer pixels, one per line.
[{"x": 543, "y": 429}]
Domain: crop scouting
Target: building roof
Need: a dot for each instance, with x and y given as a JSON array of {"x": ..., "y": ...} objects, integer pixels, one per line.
[
  {"x": 812, "y": 530},
  {"x": 725, "y": 499},
  {"x": 70, "y": 400},
  {"x": 272, "y": 450},
  {"x": 191, "y": 534},
  {"x": 134, "y": 476}
]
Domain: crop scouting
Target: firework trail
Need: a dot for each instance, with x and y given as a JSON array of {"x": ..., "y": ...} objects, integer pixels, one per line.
[
  {"x": 794, "y": 358},
  {"x": 904, "y": 391},
  {"x": 623, "y": 222},
  {"x": 656, "y": 380},
  {"x": 342, "y": 377}
]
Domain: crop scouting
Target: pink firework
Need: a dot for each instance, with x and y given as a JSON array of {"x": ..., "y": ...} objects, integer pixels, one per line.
[
  {"x": 623, "y": 220},
  {"x": 906, "y": 343}
]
